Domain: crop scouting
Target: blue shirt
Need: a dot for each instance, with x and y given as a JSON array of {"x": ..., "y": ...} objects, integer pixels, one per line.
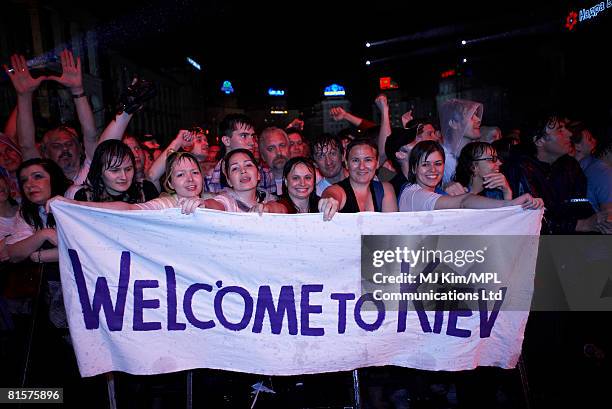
[{"x": 599, "y": 181}]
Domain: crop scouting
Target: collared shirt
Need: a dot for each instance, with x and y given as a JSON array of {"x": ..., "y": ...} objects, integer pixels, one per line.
[{"x": 212, "y": 183}]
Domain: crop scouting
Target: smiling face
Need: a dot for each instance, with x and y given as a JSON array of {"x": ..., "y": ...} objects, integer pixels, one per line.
[
  {"x": 430, "y": 170},
  {"x": 328, "y": 160},
  {"x": 484, "y": 164},
  {"x": 300, "y": 182},
  {"x": 36, "y": 183},
  {"x": 242, "y": 173},
  {"x": 362, "y": 163},
  {"x": 118, "y": 177},
  {"x": 186, "y": 178},
  {"x": 472, "y": 131}
]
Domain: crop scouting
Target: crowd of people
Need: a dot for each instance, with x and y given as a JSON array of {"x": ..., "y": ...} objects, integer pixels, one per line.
[{"x": 555, "y": 164}]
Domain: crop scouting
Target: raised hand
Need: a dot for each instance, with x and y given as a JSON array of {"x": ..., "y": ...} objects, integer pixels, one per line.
[
  {"x": 184, "y": 138},
  {"x": 296, "y": 123},
  {"x": 337, "y": 113},
  {"x": 497, "y": 180},
  {"x": 20, "y": 76},
  {"x": 381, "y": 102},
  {"x": 71, "y": 72},
  {"x": 407, "y": 117}
]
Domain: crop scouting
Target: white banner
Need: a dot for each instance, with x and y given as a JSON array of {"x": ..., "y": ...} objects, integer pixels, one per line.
[{"x": 149, "y": 292}]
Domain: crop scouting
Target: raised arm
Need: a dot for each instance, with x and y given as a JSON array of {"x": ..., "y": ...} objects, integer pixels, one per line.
[
  {"x": 25, "y": 86},
  {"x": 158, "y": 167},
  {"x": 385, "y": 126},
  {"x": 339, "y": 114},
  {"x": 10, "y": 128},
  {"x": 116, "y": 128},
  {"x": 72, "y": 78}
]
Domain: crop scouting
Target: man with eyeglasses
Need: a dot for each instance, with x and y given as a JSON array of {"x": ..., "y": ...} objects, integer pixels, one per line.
[{"x": 327, "y": 153}]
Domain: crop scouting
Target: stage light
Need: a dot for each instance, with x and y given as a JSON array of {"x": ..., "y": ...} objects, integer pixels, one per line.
[
  {"x": 368, "y": 45},
  {"x": 463, "y": 42},
  {"x": 368, "y": 62},
  {"x": 465, "y": 60}
]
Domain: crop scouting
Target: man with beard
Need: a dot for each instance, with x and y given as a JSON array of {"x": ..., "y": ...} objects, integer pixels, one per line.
[{"x": 274, "y": 150}]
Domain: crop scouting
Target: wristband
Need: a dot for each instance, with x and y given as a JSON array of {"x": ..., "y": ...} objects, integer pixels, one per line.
[
  {"x": 81, "y": 95},
  {"x": 38, "y": 258}
]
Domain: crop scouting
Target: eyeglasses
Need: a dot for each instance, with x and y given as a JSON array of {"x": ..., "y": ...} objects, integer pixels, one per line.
[{"x": 491, "y": 159}]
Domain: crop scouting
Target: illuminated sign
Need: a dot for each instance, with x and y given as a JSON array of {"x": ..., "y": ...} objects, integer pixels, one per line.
[
  {"x": 275, "y": 112},
  {"x": 194, "y": 64},
  {"x": 448, "y": 73},
  {"x": 276, "y": 92},
  {"x": 334, "y": 90},
  {"x": 387, "y": 83},
  {"x": 227, "y": 87},
  {"x": 585, "y": 14},
  {"x": 571, "y": 20}
]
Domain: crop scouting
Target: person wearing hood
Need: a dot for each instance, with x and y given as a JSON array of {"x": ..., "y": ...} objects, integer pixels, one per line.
[{"x": 460, "y": 124}]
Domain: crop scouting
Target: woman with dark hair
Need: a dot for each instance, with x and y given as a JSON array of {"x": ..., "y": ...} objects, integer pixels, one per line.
[
  {"x": 183, "y": 182},
  {"x": 111, "y": 177},
  {"x": 299, "y": 195},
  {"x": 425, "y": 173},
  {"x": 34, "y": 236},
  {"x": 478, "y": 169},
  {"x": 39, "y": 180},
  {"x": 360, "y": 192},
  {"x": 242, "y": 176}
]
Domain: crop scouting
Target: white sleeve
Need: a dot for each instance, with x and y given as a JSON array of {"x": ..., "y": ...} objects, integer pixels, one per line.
[
  {"x": 21, "y": 231},
  {"x": 417, "y": 200}
]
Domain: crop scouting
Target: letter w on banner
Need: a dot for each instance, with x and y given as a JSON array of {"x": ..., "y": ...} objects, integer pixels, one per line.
[{"x": 150, "y": 292}]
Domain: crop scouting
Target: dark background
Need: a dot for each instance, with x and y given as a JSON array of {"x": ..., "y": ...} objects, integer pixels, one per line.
[{"x": 520, "y": 48}]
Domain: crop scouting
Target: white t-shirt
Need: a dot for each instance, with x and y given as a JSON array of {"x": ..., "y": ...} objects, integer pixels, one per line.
[
  {"x": 7, "y": 225},
  {"x": 416, "y": 199},
  {"x": 22, "y": 230}
]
